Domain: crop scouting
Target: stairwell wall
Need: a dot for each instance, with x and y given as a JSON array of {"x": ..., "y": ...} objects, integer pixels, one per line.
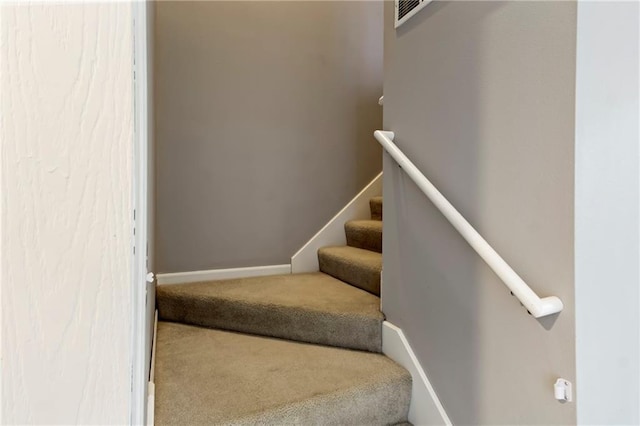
[
  {"x": 264, "y": 120},
  {"x": 481, "y": 98}
]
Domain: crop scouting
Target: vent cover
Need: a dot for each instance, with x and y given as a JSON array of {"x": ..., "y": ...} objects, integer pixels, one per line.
[{"x": 405, "y": 9}]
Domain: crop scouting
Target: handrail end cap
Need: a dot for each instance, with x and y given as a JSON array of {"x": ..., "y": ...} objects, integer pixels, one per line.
[{"x": 548, "y": 306}]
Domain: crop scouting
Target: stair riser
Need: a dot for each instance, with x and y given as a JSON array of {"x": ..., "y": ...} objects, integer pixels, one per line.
[
  {"x": 375, "y": 205},
  {"x": 359, "y": 276},
  {"x": 364, "y": 239},
  {"x": 304, "y": 326}
]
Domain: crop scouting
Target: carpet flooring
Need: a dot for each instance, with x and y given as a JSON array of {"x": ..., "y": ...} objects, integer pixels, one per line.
[{"x": 299, "y": 349}]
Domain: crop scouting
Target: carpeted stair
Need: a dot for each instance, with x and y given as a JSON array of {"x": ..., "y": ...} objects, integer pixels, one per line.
[
  {"x": 358, "y": 267},
  {"x": 284, "y": 349}
]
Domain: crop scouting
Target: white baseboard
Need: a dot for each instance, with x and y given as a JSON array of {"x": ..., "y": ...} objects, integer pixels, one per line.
[
  {"x": 425, "y": 408},
  {"x": 152, "y": 369},
  {"x": 221, "y": 274},
  {"x": 151, "y": 389},
  {"x": 151, "y": 404},
  {"x": 332, "y": 234}
]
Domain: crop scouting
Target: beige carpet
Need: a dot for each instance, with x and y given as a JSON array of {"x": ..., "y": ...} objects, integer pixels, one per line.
[
  {"x": 376, "y": 208},
  {"x": 208, "y": 376},
  {"x": 314, "y": 308},
  {"x": 358, "y": 267},
  {"x": 364, "y": 234}
]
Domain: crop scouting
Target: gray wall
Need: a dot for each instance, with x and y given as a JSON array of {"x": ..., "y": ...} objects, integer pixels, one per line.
[
  {"x": 481, "y": 97},
  {"x": 264, "y": 120},
  {"x": 607, "y": 213}
]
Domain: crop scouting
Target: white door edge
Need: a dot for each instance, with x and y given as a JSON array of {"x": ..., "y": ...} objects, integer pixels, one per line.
[{"x": 139, "y": 383}]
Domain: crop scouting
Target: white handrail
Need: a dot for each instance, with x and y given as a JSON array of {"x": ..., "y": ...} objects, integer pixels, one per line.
[{"x": 538, "y": 307}]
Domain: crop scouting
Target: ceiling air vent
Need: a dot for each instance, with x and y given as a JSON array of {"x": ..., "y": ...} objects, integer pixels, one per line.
[{"x": 405, "y": 9}]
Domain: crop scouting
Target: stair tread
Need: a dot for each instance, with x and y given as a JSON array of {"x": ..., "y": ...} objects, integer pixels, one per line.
[
  {"x": 364, "y": 234},
  {"x": 353, "y": 265},
  {"x": 356, "y": 255},
  {"x": 206, "y": 376},
  {"x": 372, "y": 224},
  {"x": 312, "y": 307}
]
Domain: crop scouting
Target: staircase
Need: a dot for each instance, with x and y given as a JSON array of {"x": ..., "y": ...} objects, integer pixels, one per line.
[{"x": 285, "y": 349}]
